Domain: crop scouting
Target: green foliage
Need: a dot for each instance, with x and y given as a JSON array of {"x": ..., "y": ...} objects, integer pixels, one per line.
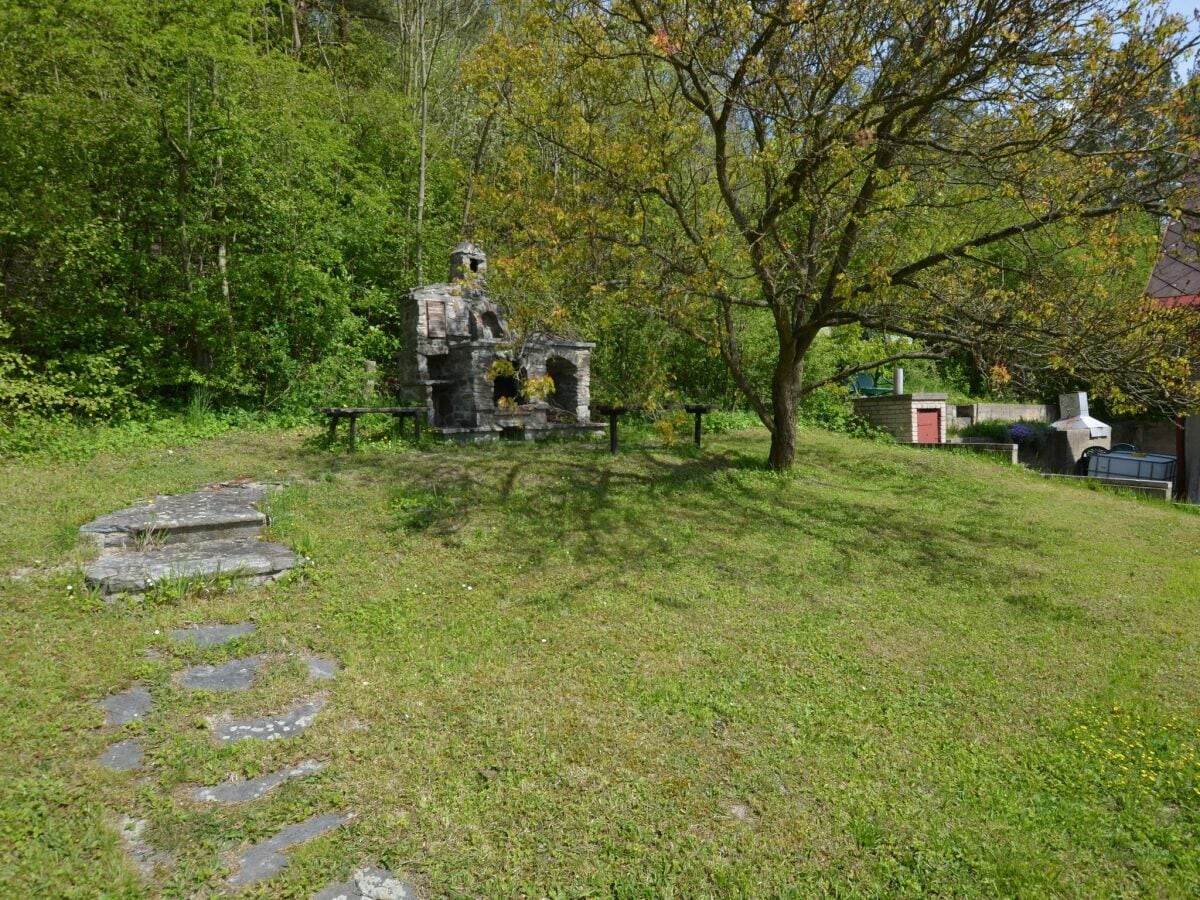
[
  {"x": 992, "y": 430},
  {"x": 829, "y": 408},
  {"x": 1008, "y": 432},
  {"x": 861, "y": 676},
  {"x": 67, "y": 438},
  {"x": 723, "y": 421},
  {"x": 755, "y": 175},
  {"x": 198, "y": 196}
]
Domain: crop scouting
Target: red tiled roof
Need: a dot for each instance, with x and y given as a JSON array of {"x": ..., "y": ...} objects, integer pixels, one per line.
[
  {"x": 1176, "y": 275},
  {"x": 1181, "y": 300}
]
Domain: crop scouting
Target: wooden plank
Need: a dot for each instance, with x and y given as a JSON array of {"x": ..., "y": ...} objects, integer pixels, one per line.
[
  {"x": 435, "y": 319},
  {"x": 360, "y": 410}
]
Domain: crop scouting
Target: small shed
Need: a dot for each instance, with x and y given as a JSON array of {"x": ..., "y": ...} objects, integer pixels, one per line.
[{"x": 910, "y": 418}]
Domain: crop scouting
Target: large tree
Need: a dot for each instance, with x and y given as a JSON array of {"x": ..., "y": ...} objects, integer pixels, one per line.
[{"x": 951, "y": 172}]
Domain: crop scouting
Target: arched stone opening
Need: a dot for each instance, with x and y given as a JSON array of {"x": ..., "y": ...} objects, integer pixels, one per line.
[
  {"x": 505, "y": 387},
  {"x": 565, "y": 376},
  {"x": 491, "y": 325}
]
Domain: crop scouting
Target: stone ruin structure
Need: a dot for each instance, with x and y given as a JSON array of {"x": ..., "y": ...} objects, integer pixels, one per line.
[{"x": 453, "y": 335}]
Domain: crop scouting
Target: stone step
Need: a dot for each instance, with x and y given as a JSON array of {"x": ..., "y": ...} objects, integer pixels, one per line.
[
  {"x": 208, "y": 636},
  {"x": 270, "y": 728},
  {"x": 127, "y": 706},
  {"x": 269, "y": 857},
  {"x": 234, "y": 675},
  {"x": 219, "y": 512},
  {"x": 121, "y": 571},
  {"x": 123, "y": 756},
  {"x": 251, "y": 789},
  {"x": 369, "y": 884}
]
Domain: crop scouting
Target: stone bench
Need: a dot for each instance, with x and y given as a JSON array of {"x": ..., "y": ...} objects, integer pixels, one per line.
[{"x": 400, "y": 413}]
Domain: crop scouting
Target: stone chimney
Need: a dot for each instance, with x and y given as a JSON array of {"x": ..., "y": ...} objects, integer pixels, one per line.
[{"x": 467, "y": 262}]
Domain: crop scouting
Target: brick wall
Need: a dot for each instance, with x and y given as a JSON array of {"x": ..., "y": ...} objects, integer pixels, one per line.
[{"x": 897, "y": 414}]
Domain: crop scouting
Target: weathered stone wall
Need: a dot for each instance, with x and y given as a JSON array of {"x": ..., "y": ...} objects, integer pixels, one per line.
[
  {"x": 453, "y": 334},
  {"x": 543, "y": 349}
]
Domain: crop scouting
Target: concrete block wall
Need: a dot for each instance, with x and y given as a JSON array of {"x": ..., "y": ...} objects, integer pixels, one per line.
[
  {"x": 1008, "y": 412},
  {"x": 1146, "y": 434}
]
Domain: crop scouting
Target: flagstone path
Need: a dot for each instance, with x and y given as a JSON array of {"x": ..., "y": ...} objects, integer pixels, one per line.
[{"x": 215, "y": 531}]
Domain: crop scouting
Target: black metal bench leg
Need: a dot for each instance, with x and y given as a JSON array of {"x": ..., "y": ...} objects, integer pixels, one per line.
[
  {"x": 697, "y": 433},
  {"x": 613, "y": 443}
]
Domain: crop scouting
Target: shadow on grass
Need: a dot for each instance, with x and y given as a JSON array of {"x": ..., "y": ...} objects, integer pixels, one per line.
[{"x": 720, "y": 512}]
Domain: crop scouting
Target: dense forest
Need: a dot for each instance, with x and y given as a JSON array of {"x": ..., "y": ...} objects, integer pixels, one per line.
[
  {"x": 225, "y": 202},
  {"x": 228, "y": 200},
  {"x": 222, "y": 197}
]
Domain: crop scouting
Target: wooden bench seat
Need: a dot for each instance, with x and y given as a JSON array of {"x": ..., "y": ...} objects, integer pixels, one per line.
[
  {"x": 614, "y": 414},
  {"x": 400, "y": 413}
]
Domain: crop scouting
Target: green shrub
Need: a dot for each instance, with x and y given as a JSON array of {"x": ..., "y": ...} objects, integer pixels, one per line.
[
  {"x": 993, "y": 430},
  {"x": 830, "y": 408},
  {"x": 1008, "y": 432},
  {"x": 720, "y": 421}
]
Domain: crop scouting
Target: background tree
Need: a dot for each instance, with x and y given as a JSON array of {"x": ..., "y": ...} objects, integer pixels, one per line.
[
  {"x": 910, "y": 167},
  {"x": 221, "y": 200}
]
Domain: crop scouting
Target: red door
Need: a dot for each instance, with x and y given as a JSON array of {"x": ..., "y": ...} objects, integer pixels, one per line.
[{"x": 929, "y": 426}]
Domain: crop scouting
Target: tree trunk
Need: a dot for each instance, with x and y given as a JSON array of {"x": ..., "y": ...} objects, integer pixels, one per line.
[
  {"x": 785, "y": 387},
  {"x": 421, "y": 170},
  {"x": 424, "y": 129},
  {"x": 297, "y": 12}
]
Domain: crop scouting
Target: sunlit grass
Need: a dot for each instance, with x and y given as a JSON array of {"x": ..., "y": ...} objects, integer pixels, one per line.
[{"x": 672, "y": 672}]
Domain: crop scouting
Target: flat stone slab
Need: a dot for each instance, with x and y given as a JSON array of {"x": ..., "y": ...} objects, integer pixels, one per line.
[
  {"x": 252, "y": 789},
  {"x": 127, "y": 706},
  {"x": 235, "y": 675},
  {"x": 369, "y": 884},
  {"x": 123, "y": 756},
  {"x": 144, "y": 857},
  {"x": 137, "y": 570},
  {"x": 220, "y": 511},
  {"x": 321, "y": 668},
  {"x": 206, "y": 636},
  {"x": 268, "y": 858},
  {"x": 270, "y": 728}
]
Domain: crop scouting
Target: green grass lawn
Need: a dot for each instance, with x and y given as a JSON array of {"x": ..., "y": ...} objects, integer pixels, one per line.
[{"x": 666, "y": 674}]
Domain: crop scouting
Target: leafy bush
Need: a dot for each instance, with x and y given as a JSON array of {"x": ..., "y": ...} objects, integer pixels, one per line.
[
  {"x": 1008, "y": 432},
  {"x": 993, "y": 430},
  {"x": 80, "y": 385},
  {"x": 63, "y": 437},
  {"x": 721, "y": 421},
  {"x": 829, "y": 407}
]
